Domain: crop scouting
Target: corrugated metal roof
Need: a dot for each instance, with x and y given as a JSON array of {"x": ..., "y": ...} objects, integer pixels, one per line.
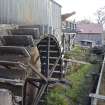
[{"x": 90, "y": 28}]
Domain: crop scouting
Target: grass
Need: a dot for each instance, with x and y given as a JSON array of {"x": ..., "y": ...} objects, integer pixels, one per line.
[
  {"x": 77, "y": 75},
  {"x": 77, "y": 53},
  {"x": 77, "y": 79},
  {"x": 65, "y": 96},
  {"x": 56, "y": 98}
]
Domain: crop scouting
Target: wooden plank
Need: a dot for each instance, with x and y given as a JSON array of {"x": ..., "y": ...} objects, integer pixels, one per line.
[
  {"x": 75, "y": 61},
  {"x": 12, "y": 82}
]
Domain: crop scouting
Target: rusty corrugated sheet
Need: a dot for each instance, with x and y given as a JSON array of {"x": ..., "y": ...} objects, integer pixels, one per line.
[
  {"x": 28, "y": 12},
  {"x": 46, "y": 13}
]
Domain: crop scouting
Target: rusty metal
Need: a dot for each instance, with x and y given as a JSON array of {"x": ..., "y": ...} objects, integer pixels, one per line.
[{"x": 45, "y": 13}]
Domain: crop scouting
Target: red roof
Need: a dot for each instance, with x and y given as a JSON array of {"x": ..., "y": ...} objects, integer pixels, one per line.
[{"x": 90, "y": 28}]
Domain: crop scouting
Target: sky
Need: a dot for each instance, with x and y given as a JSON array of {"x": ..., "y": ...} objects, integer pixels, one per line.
[{"x": 85, "y": 9}]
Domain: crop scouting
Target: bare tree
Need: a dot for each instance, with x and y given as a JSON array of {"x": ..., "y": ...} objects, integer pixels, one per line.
[{"x": 100, "y": 14}]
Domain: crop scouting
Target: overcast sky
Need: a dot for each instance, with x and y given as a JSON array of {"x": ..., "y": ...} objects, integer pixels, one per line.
[{"x": 85, "y": 9}]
